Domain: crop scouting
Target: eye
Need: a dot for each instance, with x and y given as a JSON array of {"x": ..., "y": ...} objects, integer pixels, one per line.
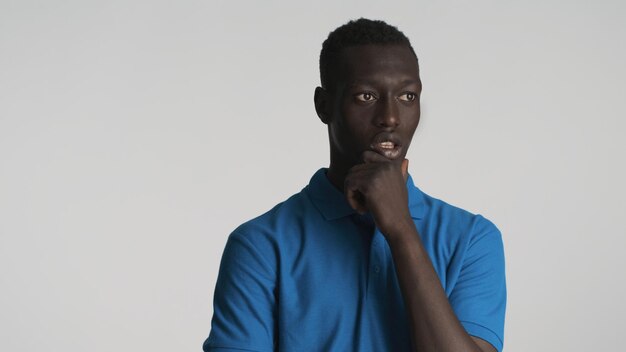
[
  {"x": 408, "y": 96},
  {"x": 365, "y": 97}
]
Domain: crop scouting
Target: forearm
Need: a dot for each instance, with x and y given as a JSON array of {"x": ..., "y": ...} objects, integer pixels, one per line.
[{"x": 434, "y": 326}]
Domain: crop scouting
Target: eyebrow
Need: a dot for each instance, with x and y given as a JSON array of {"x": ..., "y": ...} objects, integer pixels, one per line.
[
  {"x": 405, "y": 82},
  {"x": 410, "y": 81}
]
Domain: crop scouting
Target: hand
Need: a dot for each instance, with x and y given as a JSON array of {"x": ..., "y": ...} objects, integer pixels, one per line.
[{"x": 379, "y": 186}]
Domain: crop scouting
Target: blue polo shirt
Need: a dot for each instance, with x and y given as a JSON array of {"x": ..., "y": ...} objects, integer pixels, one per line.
[{"x": 313, "y": 275}]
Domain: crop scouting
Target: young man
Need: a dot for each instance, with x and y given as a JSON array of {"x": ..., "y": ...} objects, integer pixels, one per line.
[{"x": 361, "y": 259}]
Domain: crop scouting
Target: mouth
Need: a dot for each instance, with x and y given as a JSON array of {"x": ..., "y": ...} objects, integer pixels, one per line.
[{"x": 387, "y": 145}]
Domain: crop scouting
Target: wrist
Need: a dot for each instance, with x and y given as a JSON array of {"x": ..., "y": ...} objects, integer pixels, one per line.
[{"x": 400, "y": 230}]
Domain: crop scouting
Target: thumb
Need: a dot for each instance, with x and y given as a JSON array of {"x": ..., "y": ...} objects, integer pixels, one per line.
[{"x": 405, "y": 169}]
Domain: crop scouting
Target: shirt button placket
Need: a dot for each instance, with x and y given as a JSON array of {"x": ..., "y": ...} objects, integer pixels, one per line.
[{"x": 377, "y": 254}]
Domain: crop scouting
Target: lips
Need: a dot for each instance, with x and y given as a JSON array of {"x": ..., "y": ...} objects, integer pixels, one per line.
[{"x": 387, "y": 145}]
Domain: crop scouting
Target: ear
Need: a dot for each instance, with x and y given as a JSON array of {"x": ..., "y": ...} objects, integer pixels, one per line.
[{"x": 322, "y": 104}]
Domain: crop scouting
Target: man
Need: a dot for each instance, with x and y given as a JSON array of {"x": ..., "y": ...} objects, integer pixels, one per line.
[{"x": 361, "y": 259}]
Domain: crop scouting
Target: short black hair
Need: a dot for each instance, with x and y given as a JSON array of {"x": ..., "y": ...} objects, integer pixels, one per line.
[{"x": 357, "y": 32}]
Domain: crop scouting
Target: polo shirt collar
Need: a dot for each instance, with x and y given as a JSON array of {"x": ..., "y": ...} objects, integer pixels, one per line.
[{"x": 332, "y": 204}]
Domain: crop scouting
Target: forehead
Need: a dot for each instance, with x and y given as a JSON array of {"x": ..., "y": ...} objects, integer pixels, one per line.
[{"x": 377, "y": 63}]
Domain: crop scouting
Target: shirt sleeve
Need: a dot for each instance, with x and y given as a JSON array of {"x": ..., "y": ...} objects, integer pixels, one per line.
[
  {"x": 479, "y": 296},
  {"x": 244, "y": 301}
]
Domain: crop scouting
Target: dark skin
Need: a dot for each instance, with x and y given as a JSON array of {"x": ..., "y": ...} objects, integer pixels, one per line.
[{"x": 372, "y": 111}]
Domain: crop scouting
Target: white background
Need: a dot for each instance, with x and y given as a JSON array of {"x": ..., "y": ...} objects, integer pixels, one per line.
[{"x": 135, "y": 135}]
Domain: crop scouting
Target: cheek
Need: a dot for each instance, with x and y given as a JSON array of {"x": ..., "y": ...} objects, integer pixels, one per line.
[
  {"x": 341, "y": 137},
  {"x": 346, "y": 135},
  {"x": 411, "y": 116},
  {"x": 357, "y": 129},
  {"x": 349, "y": 139},
  {"x": 411, "y": 121}
]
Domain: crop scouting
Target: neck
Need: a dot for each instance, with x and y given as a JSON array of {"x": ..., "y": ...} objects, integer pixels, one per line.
[
  {"x": 337, "y": 172},
  {"x": 336, "y": 177}
]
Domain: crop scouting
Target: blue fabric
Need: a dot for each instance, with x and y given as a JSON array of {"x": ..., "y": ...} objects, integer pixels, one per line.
[{"x": 313, "y": 275}]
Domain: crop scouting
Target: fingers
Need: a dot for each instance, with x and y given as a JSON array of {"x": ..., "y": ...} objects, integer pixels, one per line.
[
  {"x": 356, "y": 201},
  {"x": 376, "y": 170},
  {"x": 370, "y": 157},
  {"x": 373, "y": 157},
  {"x": 355, "y": 188}
]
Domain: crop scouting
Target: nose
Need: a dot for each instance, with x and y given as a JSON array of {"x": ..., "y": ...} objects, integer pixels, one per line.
[{"x": 388, "y": 114}]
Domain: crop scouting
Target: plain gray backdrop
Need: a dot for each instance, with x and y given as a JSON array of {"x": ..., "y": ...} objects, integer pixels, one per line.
[{"x": 135, "y": 135}]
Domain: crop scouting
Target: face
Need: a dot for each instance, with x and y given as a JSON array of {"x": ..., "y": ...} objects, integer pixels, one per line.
[{"x": 374, "y": 104}]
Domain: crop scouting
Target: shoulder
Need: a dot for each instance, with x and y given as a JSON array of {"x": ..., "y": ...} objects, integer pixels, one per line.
[
  {"x": 295, "y": 206},
  {"x": 257, "y": 242},
  {"x": 459, "y": 221},
  {"x": 276, "y": 222}
]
